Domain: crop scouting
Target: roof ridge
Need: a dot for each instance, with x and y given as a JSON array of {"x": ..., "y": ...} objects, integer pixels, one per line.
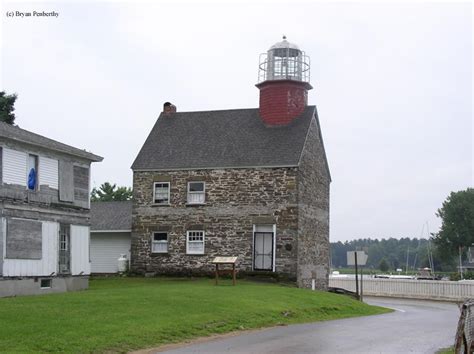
[
  {"x": 217, "y": 110},
  {"x": 227, "y": 110}
]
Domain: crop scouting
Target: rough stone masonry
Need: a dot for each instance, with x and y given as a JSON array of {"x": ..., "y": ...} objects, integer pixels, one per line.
[{"x": 295, "y": 199}]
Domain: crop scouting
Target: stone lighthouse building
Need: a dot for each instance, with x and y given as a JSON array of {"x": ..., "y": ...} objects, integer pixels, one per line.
[{"x": 251, "y": 183}]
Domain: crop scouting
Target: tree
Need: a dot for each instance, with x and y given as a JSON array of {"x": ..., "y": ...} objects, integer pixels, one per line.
[
  {"x": 383, "y": 265},
  {"x": 7, "y": 106},
  {"x": 457, "y": 223},
  {"x": 109, "y": 192}
]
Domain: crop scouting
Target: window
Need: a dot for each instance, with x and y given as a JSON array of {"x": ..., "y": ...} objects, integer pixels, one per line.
[
  {"x": 159, "y": 242},
  {"x": 195, "y": 242},
  {"x": 32, "y": 172},
  {"x": 161, "y": 192},
  {"x": 64, "y": 249},
  {"x": 196, "y": 193},
  {"x": 46, "y": 283}
]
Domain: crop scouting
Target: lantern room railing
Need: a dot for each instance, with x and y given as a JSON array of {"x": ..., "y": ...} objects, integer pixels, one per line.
[{"x": 284, "y": 68}]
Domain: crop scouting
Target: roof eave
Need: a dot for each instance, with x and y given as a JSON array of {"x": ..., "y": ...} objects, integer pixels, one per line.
[
  {"x": 209, "y": 168},
  {"x": 75, "y": 151}
]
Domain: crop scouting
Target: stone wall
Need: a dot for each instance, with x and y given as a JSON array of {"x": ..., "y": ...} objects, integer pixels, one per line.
[
  {"x": 313, "y": 212},
  {"x": 236, "y": 199}
]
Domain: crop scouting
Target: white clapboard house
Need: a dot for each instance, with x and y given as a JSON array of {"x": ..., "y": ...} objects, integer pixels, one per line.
[{"x": 45, "y": 214}]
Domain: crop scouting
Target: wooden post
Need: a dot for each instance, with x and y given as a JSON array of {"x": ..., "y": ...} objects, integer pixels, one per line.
[
  {"x": 357, "y": 278},
  {"x": 217, "y": 272},
  {"x": 233, "y": 273}
]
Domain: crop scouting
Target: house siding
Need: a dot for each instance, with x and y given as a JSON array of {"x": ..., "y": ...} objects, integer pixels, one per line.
[
  {"x": 313, "y": 212},
  {"x": 24, "y": 253},
  {"x": 46, "y": 264},
  {"x": 54, "y": 178},
  {"x": 236, "y": 199}
]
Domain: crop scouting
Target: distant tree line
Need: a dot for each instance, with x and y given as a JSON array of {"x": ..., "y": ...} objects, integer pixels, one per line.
[
  {"x": 444, "y": 248},
  {"x": 108, "y": 192},
  {"x": 391, "y": 254}
]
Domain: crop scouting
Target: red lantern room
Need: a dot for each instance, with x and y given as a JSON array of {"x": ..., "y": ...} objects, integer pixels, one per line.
[{"x": 283, "y": 81}]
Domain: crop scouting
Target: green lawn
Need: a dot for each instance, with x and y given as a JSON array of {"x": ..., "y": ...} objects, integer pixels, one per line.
[{"x": 121, "y": 314}]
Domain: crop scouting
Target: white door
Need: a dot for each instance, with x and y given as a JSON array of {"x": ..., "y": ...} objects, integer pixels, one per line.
[
  {"x": 263, "y": 251},
  {"x": 106, "y": 249}
]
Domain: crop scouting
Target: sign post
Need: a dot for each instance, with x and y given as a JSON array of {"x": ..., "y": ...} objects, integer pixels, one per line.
[
  {"x": 357, "y": 258},
  {"x": 357, "y": 278}
]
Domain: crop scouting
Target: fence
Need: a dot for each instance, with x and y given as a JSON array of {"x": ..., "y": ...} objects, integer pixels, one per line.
[{"x": 415, "y": 289}]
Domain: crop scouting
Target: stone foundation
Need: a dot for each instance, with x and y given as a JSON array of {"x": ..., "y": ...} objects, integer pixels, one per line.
[{"x": 32, "y": 286}]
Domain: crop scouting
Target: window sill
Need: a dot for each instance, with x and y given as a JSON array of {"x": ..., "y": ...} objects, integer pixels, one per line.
[
  {"x": 195, "y": 254},
  {"x": 160, "y": 205},
  {"x": 195, "y": 204},
  {"x": 159, "y": 254}
]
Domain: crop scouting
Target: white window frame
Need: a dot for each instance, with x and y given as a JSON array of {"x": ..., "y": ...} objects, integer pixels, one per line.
[
  {"x": 169, "y": 194},
  {"x": 188, "y": 242},
  {"x": 203, "y": 193},
  {"x": 153, "y": 242}
]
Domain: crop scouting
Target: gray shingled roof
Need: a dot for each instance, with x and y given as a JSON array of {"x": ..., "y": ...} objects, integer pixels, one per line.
[
  {"x": 15, "y": 133},
  {"x": 215, "y": 139},
  {"x": 108, "y": 216}
]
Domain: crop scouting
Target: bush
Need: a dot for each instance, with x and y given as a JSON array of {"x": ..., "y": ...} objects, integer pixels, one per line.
[
  {"x": 383, "y": 265},
  {"x": 465, "y": 275}
]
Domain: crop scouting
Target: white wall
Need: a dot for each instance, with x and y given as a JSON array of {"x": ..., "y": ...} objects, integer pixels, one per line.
[
  {"x": 80, "y": 261},
  {"x": 35, "y": 267},
  {"x": 48, "y": 263}
]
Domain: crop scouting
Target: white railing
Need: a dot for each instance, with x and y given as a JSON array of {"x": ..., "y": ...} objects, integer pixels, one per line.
[{"x": 417, "y": 289}]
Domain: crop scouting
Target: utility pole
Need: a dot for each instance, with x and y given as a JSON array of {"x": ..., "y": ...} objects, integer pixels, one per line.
[{"x": 406, "y": 268}]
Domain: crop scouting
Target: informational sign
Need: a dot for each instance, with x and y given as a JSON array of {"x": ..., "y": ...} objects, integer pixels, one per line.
[
  {"x": 225, "y": 260},
  {"x": 361, "y": 258}
]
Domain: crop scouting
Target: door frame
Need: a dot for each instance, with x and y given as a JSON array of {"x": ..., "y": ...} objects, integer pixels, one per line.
[{"x": 254, "y": 230}]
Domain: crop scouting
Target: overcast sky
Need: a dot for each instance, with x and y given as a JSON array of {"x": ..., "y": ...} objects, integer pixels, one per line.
[{"x": 392, "y": 83}]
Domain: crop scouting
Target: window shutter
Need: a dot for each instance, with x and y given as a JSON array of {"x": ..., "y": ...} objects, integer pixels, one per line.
[
  {"x": 66, "y": 181},
  {"x": 48, "y": 172},
  {"x": 14, "y": 167}
]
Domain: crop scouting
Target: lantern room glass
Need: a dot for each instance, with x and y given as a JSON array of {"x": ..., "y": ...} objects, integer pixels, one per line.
[{"x": 284, "y": 61}]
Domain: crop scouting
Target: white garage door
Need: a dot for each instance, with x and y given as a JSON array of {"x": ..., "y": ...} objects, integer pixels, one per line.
[{"x": 106, "y": 248}]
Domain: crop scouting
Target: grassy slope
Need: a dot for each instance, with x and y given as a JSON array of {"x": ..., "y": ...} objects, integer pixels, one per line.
[{"x": 132, "y": 313}]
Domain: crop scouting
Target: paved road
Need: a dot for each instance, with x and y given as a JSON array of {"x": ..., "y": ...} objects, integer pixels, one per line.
[{"x": 416, "y": 326}]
